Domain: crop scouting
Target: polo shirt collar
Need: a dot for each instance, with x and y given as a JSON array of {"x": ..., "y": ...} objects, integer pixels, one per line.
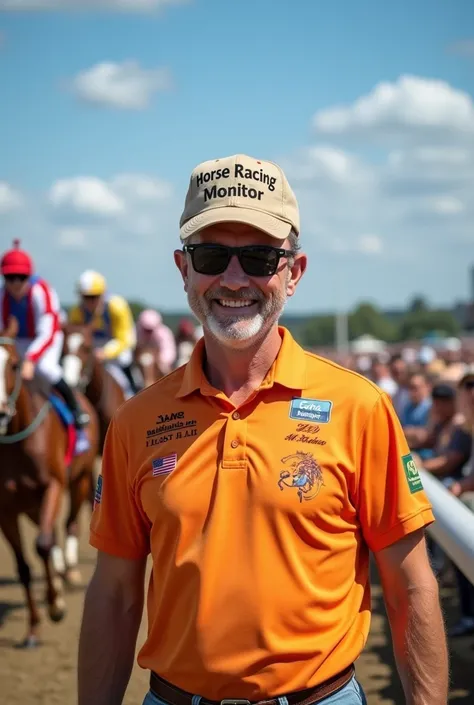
[{"x": 288, "y": 369}]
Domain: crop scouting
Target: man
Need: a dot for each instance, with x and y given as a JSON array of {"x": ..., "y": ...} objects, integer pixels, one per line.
[
  {"x": 416, "y": 414},
  {"x": 382, "y": 377},
  {"x": 400, "y": 375},
  {"x": 258, "y": 476},
  {"x": 445, "y": 436},
  {"x": 35, "y": 304},
  {"x": 153, "y": 333},
  {"x": 112, "y": 325}
]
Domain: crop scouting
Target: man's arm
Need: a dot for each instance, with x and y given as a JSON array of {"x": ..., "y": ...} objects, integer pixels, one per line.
[
  {"x": 113, "y": 610},
  {"x": 412, "y": 599}
]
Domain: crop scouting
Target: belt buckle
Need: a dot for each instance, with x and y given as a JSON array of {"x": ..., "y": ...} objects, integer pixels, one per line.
[{"x": 234, "y": 701}]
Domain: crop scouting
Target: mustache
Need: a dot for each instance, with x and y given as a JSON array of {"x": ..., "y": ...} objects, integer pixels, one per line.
[{"x": 223, "y": 293}]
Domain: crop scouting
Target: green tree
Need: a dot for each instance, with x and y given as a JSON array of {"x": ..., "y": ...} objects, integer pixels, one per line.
[
  {"x": 319, "y": 330},
  {"x": 417, "y": 324},
  {"x": 418, "y": 304},
  {"x": 366, "y": 319}
]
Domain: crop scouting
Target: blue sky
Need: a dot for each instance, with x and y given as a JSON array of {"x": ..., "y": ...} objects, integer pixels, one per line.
[{"x": 104, "y": 114}]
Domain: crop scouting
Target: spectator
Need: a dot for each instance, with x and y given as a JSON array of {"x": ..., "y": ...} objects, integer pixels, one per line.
[
  {"x": 416, "y": 414},
  {"x": 464, "y": 489},
  {"x": 451, "y": 444},
  {"x": 399, "y": 372},
  {"x": 382, "y": 377}
]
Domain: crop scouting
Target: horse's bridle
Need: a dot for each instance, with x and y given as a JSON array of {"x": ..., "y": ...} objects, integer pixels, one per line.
[{"x": 11, "y": 407}]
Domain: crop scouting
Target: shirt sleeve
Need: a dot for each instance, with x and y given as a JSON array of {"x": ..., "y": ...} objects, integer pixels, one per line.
[
  {"x": 391, "y": 500},
  {"x": 123, "y": 328},
  {"x": 46, "y": 307},
  {"x": 118, "y": 525}
]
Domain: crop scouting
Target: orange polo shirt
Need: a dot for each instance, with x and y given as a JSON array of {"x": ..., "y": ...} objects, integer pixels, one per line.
[{"x": 259, "y": 520}]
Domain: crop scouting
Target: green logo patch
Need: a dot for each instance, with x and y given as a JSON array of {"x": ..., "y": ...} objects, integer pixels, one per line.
[{"x": 412, "y": 474}]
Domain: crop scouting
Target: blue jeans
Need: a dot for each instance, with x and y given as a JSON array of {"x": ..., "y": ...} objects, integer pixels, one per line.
[{"x": 350, "y": 694}]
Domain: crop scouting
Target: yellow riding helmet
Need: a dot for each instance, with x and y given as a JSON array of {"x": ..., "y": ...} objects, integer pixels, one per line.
[{"x": 91, "y": 283}]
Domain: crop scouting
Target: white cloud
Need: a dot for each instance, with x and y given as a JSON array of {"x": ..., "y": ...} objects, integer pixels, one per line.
[
  {"x": 125, "y": 86},
  {"x": 87, "y": 195},
  {"x": 411, "y": 105},
  {"x": 10, "y": 198},
  {"x": 135, "y": 6},
  {"x": 72, "y": 238},
  {"x": 370, "y": 244},
  {"x": 447, "y": 205}
]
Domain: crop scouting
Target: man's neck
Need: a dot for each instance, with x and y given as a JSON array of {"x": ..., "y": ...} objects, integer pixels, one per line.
[{"x": 236, "y": 372}]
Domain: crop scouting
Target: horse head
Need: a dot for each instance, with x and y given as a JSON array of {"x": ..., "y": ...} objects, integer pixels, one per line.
[
  {"x": 78, "y": 355},
  {"x": 10, "y": 375}
]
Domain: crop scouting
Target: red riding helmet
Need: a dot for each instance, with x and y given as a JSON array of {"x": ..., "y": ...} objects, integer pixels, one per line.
[{"x": 16, "y": 261}]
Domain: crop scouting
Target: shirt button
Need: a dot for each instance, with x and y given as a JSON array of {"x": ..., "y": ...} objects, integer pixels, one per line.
[
  {"x": 235, "y": 444},
  {"x": 236, "y": 416}
]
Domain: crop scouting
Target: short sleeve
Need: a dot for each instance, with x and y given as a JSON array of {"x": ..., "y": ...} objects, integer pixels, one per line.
[
  {"x": 117, "y": 525},
  {"x": 391, "y": 500}
]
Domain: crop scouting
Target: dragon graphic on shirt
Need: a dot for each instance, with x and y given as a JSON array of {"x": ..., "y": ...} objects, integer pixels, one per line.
[{"x": 303, "y": 473}]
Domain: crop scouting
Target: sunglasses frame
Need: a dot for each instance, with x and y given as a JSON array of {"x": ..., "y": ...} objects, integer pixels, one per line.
[
  {"x": 14, "y": 277},
  {"x": 238, "y": 251}
]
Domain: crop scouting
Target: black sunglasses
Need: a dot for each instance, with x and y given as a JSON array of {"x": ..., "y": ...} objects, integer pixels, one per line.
[
  {"x": 255, "y": 260},
  {"x": 468, "y": 384},
  {"x": 15, "y": 277}
]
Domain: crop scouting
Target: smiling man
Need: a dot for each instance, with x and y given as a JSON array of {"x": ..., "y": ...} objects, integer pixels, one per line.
[{"x": 258, "y": 477}]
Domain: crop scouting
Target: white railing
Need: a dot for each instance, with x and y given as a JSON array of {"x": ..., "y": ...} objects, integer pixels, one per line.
[{"x": 453, "y": 529}]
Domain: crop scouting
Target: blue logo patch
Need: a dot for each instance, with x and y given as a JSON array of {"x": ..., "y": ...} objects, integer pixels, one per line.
[
  {"x": 98, "y": 491},
  {"x": 314, "y": 410}
]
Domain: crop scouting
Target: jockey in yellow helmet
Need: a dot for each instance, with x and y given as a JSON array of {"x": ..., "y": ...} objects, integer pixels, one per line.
[{"x": 112, "y": 323}]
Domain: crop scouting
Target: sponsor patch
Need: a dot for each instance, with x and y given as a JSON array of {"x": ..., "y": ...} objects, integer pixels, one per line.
[
  {"x": 164, "y": 465},
  {"x": 411, "y": 472},
  {"x": 313, "y": 410},
  {"x": 98, "y": 491}
]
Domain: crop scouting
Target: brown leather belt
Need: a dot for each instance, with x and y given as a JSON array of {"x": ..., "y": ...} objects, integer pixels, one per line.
[{"x": 175, "y": 696}]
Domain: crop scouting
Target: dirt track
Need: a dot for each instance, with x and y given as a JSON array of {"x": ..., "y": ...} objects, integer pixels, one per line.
[{"x": 47, "y": 675}]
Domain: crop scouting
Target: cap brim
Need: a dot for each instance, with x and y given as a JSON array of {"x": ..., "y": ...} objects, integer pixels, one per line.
[{"x": 279, "y": 229}]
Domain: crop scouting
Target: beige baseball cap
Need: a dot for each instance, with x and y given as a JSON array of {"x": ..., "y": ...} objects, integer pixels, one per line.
[{"x": 240, "y": 189}]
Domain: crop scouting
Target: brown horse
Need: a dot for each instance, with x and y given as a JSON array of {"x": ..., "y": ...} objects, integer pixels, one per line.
[
  {"x": 147, "y": 361},
  {"x": 82, "y": 370},
  {"x": 34, "y": 474}
]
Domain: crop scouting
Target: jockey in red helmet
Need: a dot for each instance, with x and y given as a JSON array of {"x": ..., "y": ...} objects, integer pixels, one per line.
[{"x": 35, "y": 304}]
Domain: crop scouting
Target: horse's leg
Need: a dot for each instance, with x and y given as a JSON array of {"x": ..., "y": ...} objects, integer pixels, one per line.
[
  {"x": 54, "y": 586},
  {"x": 11, "y": 530},
  {"x": 80, "y": 492}
]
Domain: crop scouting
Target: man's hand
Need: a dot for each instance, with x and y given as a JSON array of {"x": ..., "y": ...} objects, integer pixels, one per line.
[{"x": 28, "y": 370}]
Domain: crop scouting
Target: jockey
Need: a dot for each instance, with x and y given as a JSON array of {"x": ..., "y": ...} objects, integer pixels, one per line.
[
  {"x": 152, "y": 332},
  {"x": 186, "y": 338},
  {"x": 35, "y": 305},
  {"x": 112, "y": 323}
]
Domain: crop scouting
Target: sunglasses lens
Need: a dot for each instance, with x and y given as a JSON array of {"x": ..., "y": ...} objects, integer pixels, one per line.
[
  {"x": 259, "y": 261},
  {"x": 16, "y": 277},
  {"x": 210, "y": 259}
]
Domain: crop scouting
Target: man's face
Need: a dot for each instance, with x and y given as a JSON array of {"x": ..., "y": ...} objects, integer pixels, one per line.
[
  {"x": 398, "y": 369},
  {"x": 91, "y": 304},
  {"x": 17, "y": 285},
  {"x": 444, "y": 409},
  {"x": 237, "y": 308},
  {"x": 418, "y": 389}
]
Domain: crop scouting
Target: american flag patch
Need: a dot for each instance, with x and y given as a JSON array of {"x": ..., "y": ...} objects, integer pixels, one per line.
[{"x": 163, "y": 466}]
